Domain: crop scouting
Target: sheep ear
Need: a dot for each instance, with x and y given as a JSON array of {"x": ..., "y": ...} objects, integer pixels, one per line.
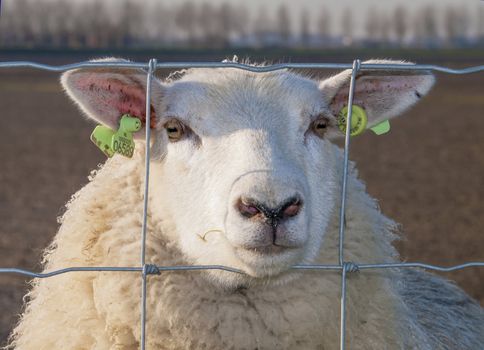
[
  {"x": 382, "y": 94},
  {"x": 105, "y": 94}
]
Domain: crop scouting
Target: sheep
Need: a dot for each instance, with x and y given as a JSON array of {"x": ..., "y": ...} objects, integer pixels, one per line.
[{"x": 244, "y": 173}]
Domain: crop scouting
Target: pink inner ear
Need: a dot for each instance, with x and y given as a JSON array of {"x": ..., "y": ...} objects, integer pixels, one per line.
[
  {"x": 111, "y": 95},
  {"x": 369, "y": 89}
]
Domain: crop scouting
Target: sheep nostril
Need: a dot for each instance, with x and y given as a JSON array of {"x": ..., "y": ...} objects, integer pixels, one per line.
[
  {"x": 291, "y": 210},
  {"x": 247, "y": 210}
]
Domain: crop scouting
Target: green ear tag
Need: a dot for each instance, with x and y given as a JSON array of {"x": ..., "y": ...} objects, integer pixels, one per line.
[
  {"x": 102, "y": 136},
  {"x": 358, "y": 120},
  {"x": 120, "y": 141},
  {"x": 381, "y": 128}
]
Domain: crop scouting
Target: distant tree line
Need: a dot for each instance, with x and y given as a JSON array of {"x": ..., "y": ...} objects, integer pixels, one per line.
[{"x": 128, "y": 23}]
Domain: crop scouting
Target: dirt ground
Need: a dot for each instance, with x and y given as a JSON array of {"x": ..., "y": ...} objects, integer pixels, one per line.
[{"x": 427, "y": 174}]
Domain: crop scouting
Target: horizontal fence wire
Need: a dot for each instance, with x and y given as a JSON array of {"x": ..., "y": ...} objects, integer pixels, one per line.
[
  {"x": 257, "y": 69},
  {"x": 343, "y": 267},
  {"x": 16, "y": 271}
]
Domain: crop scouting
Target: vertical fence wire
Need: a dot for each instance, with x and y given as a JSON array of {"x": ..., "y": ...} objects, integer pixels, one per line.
[
  {"x": 342, "y": 324},
  {"x": 343, "y": 266},
  {"x": 149, "y": 78},
  {"x": 342, "y": 214}
]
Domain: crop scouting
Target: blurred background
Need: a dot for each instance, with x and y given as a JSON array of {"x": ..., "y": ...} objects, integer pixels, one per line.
[
  {"x": 427, "y": 172},
  {"x": 122, "y": 24}
]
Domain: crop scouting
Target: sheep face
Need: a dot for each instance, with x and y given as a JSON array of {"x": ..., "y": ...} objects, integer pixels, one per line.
[
  {"x": 245, "y": 174},
  {"x": 247, "y": 180}
]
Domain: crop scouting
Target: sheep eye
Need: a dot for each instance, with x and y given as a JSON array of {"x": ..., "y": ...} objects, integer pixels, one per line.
[
  {"x": 175, "y": 130},
  {"x": 319, "y": 126}
]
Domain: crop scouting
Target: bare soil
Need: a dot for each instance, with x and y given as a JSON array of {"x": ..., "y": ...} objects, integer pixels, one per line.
[{"x": 427, "y": 174}]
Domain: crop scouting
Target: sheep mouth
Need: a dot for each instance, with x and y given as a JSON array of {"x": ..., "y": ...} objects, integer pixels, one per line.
[
  {"x": 268, "y": 261},
  {"x": 267, "y": 250}
]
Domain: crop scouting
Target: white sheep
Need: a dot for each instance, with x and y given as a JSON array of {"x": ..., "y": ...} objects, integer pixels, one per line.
[{"x": 244, "y": 174}]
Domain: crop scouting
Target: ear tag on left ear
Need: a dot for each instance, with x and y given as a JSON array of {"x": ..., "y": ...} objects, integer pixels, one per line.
[
  {"x": 120, "y": 141},
  {"x": 358, "y": 120},
  {"x": 102, "y": 136}
]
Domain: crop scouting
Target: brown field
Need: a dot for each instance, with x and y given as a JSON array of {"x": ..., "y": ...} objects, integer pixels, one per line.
[{"x": 427, "y": 173}]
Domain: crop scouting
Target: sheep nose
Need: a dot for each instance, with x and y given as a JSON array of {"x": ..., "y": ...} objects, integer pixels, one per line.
[{"x": 251, "y": 208}]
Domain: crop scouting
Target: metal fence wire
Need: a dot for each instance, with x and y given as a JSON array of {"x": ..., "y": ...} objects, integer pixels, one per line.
[{"x": 343, "y": 266}]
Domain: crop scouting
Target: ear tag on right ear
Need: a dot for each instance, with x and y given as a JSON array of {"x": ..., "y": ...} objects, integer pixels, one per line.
[
  {"x": 381, "y": 128},
  {"x": 359, "y": 120},
  {"x": 120, "y": 141}
]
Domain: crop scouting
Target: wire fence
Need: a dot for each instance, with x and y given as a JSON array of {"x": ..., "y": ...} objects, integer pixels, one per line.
[{"x": 343, "y": 266}]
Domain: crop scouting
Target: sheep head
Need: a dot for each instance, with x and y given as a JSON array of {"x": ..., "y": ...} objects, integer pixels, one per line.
[{"x": 245, "y": 173}]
